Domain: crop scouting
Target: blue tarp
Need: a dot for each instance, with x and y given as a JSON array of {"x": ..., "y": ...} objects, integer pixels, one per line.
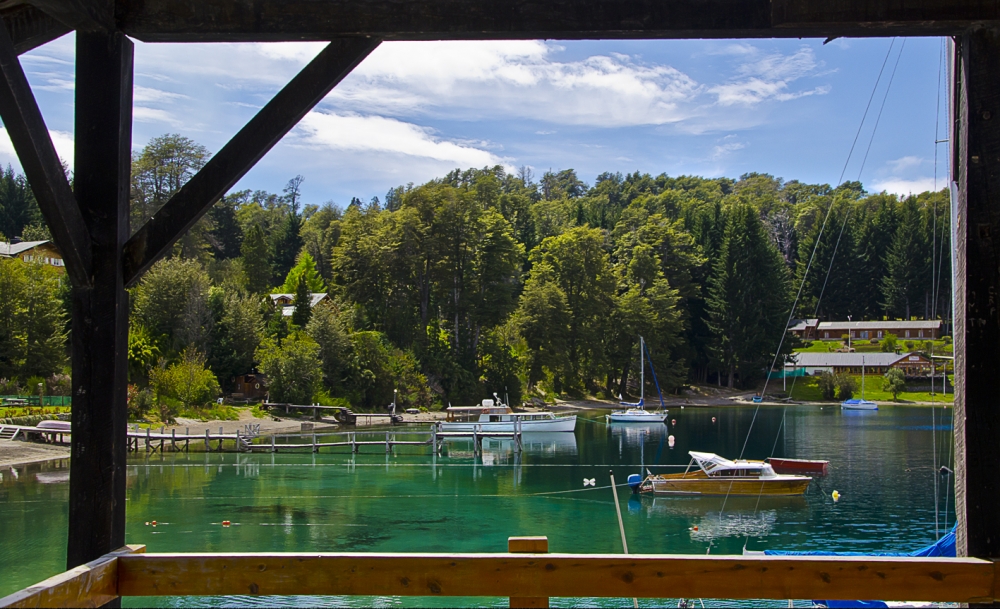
[{"x": 942, "y": 547}]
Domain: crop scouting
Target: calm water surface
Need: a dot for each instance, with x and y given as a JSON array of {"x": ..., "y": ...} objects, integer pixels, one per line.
[{"x": 883, "y": 465}]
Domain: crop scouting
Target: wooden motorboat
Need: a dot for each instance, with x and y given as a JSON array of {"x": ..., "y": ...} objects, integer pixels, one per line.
[
  {"x": 799, "y": 466},
  {"x": 716, "y": 475}
]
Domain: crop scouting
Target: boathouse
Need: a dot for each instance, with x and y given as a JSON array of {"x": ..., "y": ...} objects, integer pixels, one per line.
[{"x": 104, "y": 255}]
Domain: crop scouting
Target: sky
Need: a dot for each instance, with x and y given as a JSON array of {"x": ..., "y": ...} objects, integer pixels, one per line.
[{"x": 413, "y": 111}]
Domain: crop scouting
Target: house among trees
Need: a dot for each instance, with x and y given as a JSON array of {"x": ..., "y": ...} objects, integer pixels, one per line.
[
  {"x": 287, "y": 302},
  {"x": 250, "y": 386},
  {"x": 814, "y": 329},
  {"x": 912, "y": 364},
  {"x": 29, "y": 251}
]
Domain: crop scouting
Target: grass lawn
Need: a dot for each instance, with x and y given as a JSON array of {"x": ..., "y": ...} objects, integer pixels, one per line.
[
  {"x": 864, "y": 346},
  {"x": 806, "y": 389}
]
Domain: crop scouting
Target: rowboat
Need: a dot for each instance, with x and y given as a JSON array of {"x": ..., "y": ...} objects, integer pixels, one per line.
[
  {"x": 716, "y": 475},
  {"x": 495, "y": 416},
  {"x": 799, "y": 466}
]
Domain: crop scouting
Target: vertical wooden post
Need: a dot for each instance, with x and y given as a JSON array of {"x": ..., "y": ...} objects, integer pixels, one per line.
[
  {"x": 976, "y": 167},
  {"x": 103, "y": 153},
  {"x": 528, "y": 545}
]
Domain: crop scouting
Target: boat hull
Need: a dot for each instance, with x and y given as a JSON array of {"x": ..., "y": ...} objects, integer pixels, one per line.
[
  {"x": 796, "y": 485},
  {"x": 562, "y": 424},
  {"x": 862, "y": 405},
  {"x": 799, "y": 466},
  {"x": 624, "y": 417}
]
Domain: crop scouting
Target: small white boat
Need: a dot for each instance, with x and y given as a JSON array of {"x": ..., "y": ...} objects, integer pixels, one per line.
[
  {"x": 637, "y": 413},
  {"x": 857, "y": 404},
  {"x": 492, "y": 416}
]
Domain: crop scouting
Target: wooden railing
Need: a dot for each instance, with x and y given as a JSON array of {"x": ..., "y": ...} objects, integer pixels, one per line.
[{"x": 529, "y": 578}]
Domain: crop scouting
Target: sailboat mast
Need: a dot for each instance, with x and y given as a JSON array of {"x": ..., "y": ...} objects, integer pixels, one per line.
[
  {"x": 862, "y": 377},
  {"x": 642, "y": 373}
]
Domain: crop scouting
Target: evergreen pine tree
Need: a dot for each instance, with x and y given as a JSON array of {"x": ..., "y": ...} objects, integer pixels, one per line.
[
  {"x": 303, "y": 310},
  {"x": 906, "y": 265},
  {"x": 256, "y": 261},
  {"x": 875, "y": 230},
  {"x": 748, "y": 297}
]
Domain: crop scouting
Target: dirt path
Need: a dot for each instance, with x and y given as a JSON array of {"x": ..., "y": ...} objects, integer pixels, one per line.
[{"x": 16, "y": 452}]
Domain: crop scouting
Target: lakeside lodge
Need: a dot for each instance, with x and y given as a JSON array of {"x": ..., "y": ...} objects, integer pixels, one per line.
[
  {"x": 809, "y": 364},
  {"x": 814, "y": 329}
]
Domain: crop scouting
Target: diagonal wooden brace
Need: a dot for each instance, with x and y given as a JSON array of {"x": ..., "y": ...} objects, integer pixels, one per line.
[
  {"x": 157, "y": 236},
  {"x": 41, "y": 164}
]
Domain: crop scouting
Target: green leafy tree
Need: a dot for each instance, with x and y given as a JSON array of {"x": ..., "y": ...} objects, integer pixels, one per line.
[
  {"x": 846, "y": 386},
  {"x": 13, "y": 309},
  {"x": 906, "y": 264},
  {"x": 304, "y": 268},
  {"x": 18, "y": 208},
  {"x": 159, "y": 170},
  {"x": 293, "y": 368},
  {"x": 142, "y": 353},
  {"x": 171, "y": 301},
  {"x": 894, "y": 381},
  {"x": 236, "y": 333},
  {"x": 827, "y": 383},
  {"x": 327, "y": 328},
  {"x": 188, "y": 382},
  {"x": 288, "y": 238},
  {"x": 33, "y": 324}
]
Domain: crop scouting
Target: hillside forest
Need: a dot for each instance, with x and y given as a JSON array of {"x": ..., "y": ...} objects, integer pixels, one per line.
[{"x": 483, "y": 281}]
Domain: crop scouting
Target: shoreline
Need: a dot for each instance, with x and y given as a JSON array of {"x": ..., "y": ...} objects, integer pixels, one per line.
[{"x": 15, "y": 453}]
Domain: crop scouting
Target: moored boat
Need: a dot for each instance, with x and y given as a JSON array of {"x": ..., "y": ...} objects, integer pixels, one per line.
[
  {"x": 799, "y": 466},
  {"x": 636, "y": 411},
  {"x": 716, "y": 475},
  {"x": 858, "y": 404},
  {"x": 491, "y": 416}
]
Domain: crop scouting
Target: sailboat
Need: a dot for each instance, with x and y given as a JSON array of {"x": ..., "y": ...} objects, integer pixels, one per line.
[
  {"x": 636, "y": 411},
  {"x": 862, "y": 404}
]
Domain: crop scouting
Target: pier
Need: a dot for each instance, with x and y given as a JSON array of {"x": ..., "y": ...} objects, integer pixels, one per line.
[{"x": 152, "y": 441}]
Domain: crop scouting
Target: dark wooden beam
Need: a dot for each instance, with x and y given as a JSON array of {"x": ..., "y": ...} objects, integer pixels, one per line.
[
  {"x": 80, "y": 15},
  {"x": 247, "y": 147},
  {"x": 41, "y": 164},
  {"x": 976, "y": 138},
  {"x": 100, "y": 311},
  {"x": 262, "y": 20},
  {"x": 30, "y": 28}
]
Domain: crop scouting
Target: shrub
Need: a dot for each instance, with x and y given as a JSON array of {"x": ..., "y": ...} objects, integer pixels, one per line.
[
  {"x": 59, "y": 384},
  {"x": 140, "y": 402},
  {"x": 910, "y": 345},
  {"x": 873, "y": 341},
  {"x": 946, "y": 339},
  {"x": 846, "y": 386},
  {"x": 889, "y": 343},
  {"x": 894, "y": 382},
  {"x": 186, "y": 384},
  {"x": 293, "y": 368},
  {"x": 845, "y": 338},
  {"x": 827, "y": 385}
]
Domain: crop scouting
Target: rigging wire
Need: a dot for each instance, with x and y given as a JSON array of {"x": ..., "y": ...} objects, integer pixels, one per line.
[
  {"x": 879, "y": 117},
  {"x": 812, "y": 257}
]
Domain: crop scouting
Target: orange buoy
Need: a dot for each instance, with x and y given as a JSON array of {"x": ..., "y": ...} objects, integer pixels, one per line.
[
  {"x": 153, "y": 523},
  {"x": 226, "y": 523},
  {"x": 673, "y": 421},
  {"x": 713, "y": 419},
  {"x": 695, "y": 527}
]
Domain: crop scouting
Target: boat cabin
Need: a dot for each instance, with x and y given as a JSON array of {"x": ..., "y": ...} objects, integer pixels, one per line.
[
  {"x": 715, "y": 466},
  {"x": 491, "y": 412}
]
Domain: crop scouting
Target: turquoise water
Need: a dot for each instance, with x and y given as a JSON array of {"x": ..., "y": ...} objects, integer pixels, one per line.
[{"x": 882, "y": 464}]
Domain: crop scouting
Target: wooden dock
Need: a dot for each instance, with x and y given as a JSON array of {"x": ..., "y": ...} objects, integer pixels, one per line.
[{"x": 344, "y": 416}]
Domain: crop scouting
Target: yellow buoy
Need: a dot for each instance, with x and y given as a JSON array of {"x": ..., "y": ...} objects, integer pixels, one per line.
[{"x": 835, "y": 495}]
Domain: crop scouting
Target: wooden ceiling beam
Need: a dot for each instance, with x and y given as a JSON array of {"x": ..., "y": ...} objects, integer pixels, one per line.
[
  {"x": 30, "y": 28},
  {"x": 271, "y": 20},
  {"x": 84, "y": 15}
]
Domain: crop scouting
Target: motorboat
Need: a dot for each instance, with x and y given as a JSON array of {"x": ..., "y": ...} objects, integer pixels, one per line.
[
  {"x": 636, "y": 411},
  {"x": 496, "y": 416},
  {"x": 858, "y": 404},
  {"x": 716, "y": 475}
]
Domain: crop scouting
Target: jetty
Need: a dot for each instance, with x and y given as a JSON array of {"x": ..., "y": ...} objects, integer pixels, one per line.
[{"x": 344, "y": 416}]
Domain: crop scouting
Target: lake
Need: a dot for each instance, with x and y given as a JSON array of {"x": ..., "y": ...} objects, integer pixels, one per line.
[{"x": 884, "y": 465}]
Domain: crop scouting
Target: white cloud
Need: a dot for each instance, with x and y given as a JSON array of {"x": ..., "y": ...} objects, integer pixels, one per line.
[
  {"x": 901, "y": 165},
  {"x": 769, "y": 77},
  {"x": 353, "y": 132},
  {"x": 899, "y": 186},
  {"x": 142, "y": 94},
  {"x": 62, "y": 141},
  {"x": 726, "y": 146}
]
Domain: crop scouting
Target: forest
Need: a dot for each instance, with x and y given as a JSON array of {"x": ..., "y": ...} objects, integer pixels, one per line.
[{"x": 481, "y": 281}]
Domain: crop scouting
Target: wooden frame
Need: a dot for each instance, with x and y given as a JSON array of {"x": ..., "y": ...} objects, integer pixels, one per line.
[{"x": 125, "y": 573}]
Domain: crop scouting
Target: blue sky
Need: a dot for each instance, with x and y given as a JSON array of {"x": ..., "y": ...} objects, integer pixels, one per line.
[{"x": 415, "y": 110}]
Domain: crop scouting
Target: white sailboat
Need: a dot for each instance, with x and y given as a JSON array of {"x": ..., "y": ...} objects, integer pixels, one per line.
[
  {"x": 637, "y": 413},
  {"x": 862, "y": 404}
]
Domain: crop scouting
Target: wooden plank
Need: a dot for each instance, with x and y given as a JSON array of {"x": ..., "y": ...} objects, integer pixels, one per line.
[
  {"x": 26, "y": 128},
  {"x": 563, "y": 575},
  {"x": 30, "y": 28},
  {"x": 81, "y": 15},
  {"x": 977, "y": 287},
  {"x": 528, "y": 545},
  {"x": 274, "y": 120},
  {"x": 263, "y": 20},
  {"x": 90, "y": 585},
  {"x": 103, "y": 134}
]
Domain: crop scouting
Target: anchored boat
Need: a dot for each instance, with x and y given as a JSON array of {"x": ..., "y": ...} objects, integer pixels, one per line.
[
  {"x": 861, "y": 404},
  {"x": 716, "y": 475},
  {"x": 636, "y": 411},
  {"x": 496, "y": 416}
]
